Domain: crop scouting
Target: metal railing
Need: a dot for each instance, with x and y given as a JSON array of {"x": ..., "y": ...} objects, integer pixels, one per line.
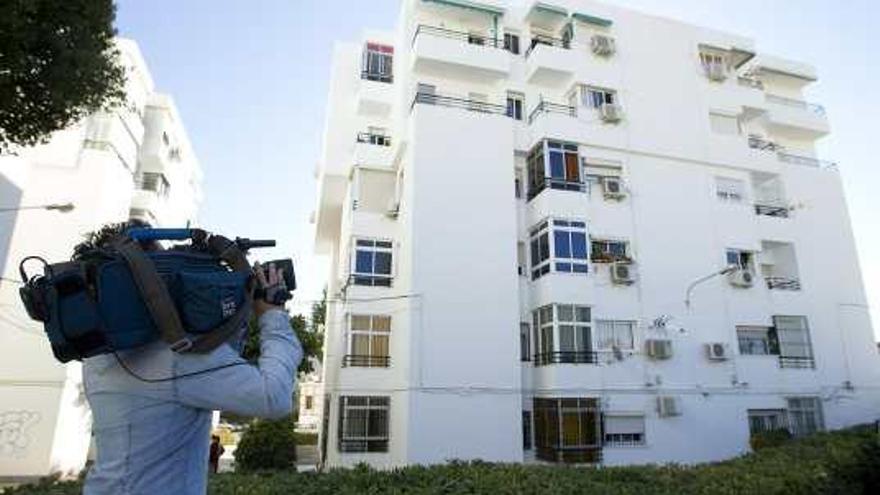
[
  {"x": 544, "y": 106},
  {"x": 370, "y": 280},
  {"x": 791, "y": 102},
  {"x": 772, "y": 210},
  {"x": 377, "y": 76},
  {"x": 555, "y": 183},
  {"x": 365, "y": 361},
  {"x": 759, "y": 143},
  {"x": 806, "y": 160},
  {"x": 372, "y": 138},
  {"x": 566, "y": 357},
  {"x": 540, "y": 39},
  {"x": 455, "y": 102},
  {"x": 783, "y": 283},
  {"x": 750, "y": 82},
  {"x": 469, "y": 38},
  {"x": 803, "y": 362}
]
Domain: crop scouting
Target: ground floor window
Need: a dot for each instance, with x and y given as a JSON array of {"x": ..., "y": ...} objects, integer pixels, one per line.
[
  {"x": 363, "y": 423},
  {"x": 766, "y": 420},
  {"x": 805, "y": 416},
  {"x": 527, "y": 430},
  {"x": 624, "y": 430},
  {"x": 567, "y": 430}
]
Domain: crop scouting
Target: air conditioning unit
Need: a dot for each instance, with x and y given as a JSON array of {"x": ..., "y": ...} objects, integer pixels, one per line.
[
  {"x": 667, "y": 406},
  {"x": 741, "y": 278},
  {"x": 393, "y": 209},
  {"x": 658, "y": 348},
  {"x": 611, "y": 113},
  {"x": 622, "y": 273},
  {"x": 717, "y": 351},
  {"x": 716, "y": 72},
  {"x": 612, "y": 188},
  {"x": 602, "y": 45}
]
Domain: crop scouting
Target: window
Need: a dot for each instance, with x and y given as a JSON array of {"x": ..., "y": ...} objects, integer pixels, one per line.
[
  {"x": 568, "y": 327},
  {"x": 511, "y": 43},
  {"x": 368, "y": 341},
  {"x": 155, "y": 182},
  {"x": 740, "y": 259},
  {"x": 568, "y": 245},
  {"x": 555, "y": 163},
  {"x": 363, "y": 423},
  {"x": 517, "y": 184},
  {"x": 732, "y": 190},
  {"x": 766, "y": 420},
  {"x": 612, "y": 334},
  {"x": 377, "y": 62},
  {"x": 567, "y": 429},
  {"x": 795, "y": 349},
  {"x": 525, "y": 346},
  {"x": 309, "y": 403},
  {"x": 712, "y": 59},
  {"x": 527, "y": 430},
  {"x": 597, "y": 97},
  {"x": 605, "y": 251},
  {"x": 515, "y": 103},
  {"x": 624, "y": 430},
  {"x": 757, "y": 341},
  {"x": 805, "y": 415},
  {"x": 375, "y": 135},
  {"x": 476, "y": 39},
  {"x": 372, "y": 263},
  {"x": 724, "y": 124}
]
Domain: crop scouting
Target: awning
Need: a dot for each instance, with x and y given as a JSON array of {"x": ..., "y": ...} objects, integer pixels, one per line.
[
  {"x": 474, "y": 6},
  {"x": 591, "y": 19},
  {"x": 547, "y": 17},
  {"x": 738, "y": 56}
]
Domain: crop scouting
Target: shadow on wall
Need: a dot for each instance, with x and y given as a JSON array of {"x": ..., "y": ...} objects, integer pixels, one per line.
[{"x": 10, "y": 197}]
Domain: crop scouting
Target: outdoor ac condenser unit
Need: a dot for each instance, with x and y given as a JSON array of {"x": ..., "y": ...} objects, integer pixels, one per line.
[
  {"x": 717, "y": 351},
  {"x": 611, "y": 113},
  {"x": 602, "y": 45},
  {"x": 658, "y": 348},
  {"x": 612, "y": 188},
  {"x": 741, "y": 278},
  {"x": 667, "y": 406},
  {"x": 622, "y": 273}
]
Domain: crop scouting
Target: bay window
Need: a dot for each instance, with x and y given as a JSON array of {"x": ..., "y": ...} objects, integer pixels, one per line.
[
  {"x": 556, "y": 164},
  {"x": 567, "y": 429},
  {"x": 565, "y": 251},
  {"x": 563, "y": 334}
]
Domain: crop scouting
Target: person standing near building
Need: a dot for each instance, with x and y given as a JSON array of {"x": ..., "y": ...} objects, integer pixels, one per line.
[{"x": 216, "y": 451}]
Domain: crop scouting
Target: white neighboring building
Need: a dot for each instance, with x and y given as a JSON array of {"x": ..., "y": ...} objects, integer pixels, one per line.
[
  {"x": 139, "y": 162},
  {"x": 310, "y": 394},
  {"x": 514, "y": 197}
]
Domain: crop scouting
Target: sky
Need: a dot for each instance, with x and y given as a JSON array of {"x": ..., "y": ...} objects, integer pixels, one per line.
[{"x": 250, "y": 80}]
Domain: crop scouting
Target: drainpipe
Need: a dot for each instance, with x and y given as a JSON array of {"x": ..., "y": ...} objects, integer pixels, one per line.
[{"x": 495, "y": 34}]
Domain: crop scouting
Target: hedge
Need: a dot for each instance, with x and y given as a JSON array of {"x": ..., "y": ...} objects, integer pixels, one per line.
[
  {"x": 843, "y": 462},
  {"x": 266, "y": 444}
]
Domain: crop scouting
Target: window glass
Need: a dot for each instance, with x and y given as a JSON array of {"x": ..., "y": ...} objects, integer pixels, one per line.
[
  {"x": 372, "y": 263},
  {"x": 615, "y": 333},
  {"x": 363, "y": 423}
]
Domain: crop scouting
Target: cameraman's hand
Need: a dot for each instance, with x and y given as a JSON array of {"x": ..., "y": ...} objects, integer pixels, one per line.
[{"x": 275, "y": 279}]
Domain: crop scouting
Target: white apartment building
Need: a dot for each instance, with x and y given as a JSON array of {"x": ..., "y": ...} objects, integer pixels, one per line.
[
  {"x": 133, "y": 163},
  {"x": 515, "y": 198}
]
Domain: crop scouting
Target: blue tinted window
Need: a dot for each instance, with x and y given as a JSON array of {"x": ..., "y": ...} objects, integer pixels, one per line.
[
  {"x": 563, "y": 267},
  {"x": 579, "y": 268},
  {"x": 364, "y": 262},
  {"x": 562, "y": 249},
  {"x": 557, "y": 167},
  {"x": 618, "y": 249},
  {"x": 579, "y": 245},
  {"x": 383, "y": 263}
]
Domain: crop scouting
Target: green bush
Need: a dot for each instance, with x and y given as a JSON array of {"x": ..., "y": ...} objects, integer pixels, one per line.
[
  {"x": 307, "y": 439},
  {"x": 772, "y": 438},
  {"x": 842, "y": 462},
  {"x": 266, "y": 444}
]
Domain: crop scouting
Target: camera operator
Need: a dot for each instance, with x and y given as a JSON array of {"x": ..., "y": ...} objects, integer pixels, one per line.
[{"x": 152, "y": 435}]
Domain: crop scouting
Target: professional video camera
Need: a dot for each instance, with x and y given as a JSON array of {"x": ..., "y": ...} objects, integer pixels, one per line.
[{"x": 125, "y": 293}]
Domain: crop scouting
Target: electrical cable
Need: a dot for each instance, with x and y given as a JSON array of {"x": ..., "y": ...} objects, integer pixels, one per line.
[{"x": 173, "y": 377}]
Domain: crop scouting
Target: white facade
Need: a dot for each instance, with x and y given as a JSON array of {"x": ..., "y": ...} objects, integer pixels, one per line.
[
  {"x": 310, "y": 393},
  {"x": 110, "y": 166},
  {"x": 513, "y": 226}
]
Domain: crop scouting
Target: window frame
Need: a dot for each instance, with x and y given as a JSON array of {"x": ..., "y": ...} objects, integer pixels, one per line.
[
  {"x": 745, "y": 260},
  {"x": 599, "y": 339},
  {"x": 620, "y": 439},
  {"x": 767, "y": 426},
  {"x": 511, "y": 43},
  {"x": 551, "y": 231},
  {"x": 794, "y": 405},
  {"x": 383, "y": 57},
  {"x": 596, "y": 97},
  {"x": 550, "y": 428},
  {"x": 546, "y": 156},
  {"x": 365, "y": 443},
  {"x": 769, "y": 341},
  {"x": 374, "y": 278},
  {"x": 514, "y": 97},
  {"x": 549, "y": 323},
  {"x": 606, "y": 254},
  {"x": 370, "y": 358}
]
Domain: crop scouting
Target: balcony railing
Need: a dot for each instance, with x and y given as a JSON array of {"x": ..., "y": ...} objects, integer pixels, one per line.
[
  {"x": 791, "y": 102},
  {"x": 783, "y": 283},
  {"x": 566, "y": 357},
  {"x": 371, "y": 138},
  {"x": 455, "y": 102},
  {"x": 153, "y": 182},
  {"x": 547, "y": 41},
  {"x": 806, "y": 160},
  {"x": 803, "y": 362},
  {"x": 365, "y": 361},
  {"x": 544, "y": 106},
  {"x": 555, "y": 183},
  {"x": 370, "y": 280},
  {"x": 464, "y": 37},
  {"x": 772, "y": 210},
  {"x": 759, "y": 143},
  {"x": 377, "y": 76},
  {"x": 750, "y": 82}
]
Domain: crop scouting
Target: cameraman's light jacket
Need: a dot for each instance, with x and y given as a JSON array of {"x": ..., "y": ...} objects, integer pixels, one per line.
[{"x": 153, "y": 437}]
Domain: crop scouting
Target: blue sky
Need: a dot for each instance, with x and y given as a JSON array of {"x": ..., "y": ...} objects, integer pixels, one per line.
[{"x": 250, "y": 80}]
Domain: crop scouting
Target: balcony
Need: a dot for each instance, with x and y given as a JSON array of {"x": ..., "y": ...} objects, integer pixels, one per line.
[
  {"x": 455, "y": 54},
  {"x": 373, "y": 150},
  {"x": 468, "y": 104},
  {"x": 544, "y": 106},
  {"x": 550, "y": 62},
  {"x": 375, "y": 94},
  {"x": 796, "y": 118},
  {"x": 783, "y": 283},
  {"x": 365, "y": 361},
  {"x": 808, "y": 161},
  {"x": 566, "y": 357},
  {"x": 771, "y": 210},
  {"x": 799, "y": 362}
]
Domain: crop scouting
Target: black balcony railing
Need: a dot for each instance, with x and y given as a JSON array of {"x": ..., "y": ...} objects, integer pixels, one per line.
[
  {"x": 547, "y": 41},
  {"x": 566, "y": 357},
  {"x": 772, "y": 210},
  {"x": 464, "y": 37},
  {"x": 750, "y": 82},
  {"x": 377, "y": 76},
  {"x": 555, "y": 183},
  {"x": 371, "y": 138},
  {"x": 365, "y": 361},
  {"x": 455, "y": 102},
  {"x": 783, "y": 283},
  {"x": 544, "y": 106},
  {"x": 805, "y": 362},
  {"x": 374, "y": 280},
  {"x": 806, "y": 160},
  {"x": 759, "y": 143}
]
